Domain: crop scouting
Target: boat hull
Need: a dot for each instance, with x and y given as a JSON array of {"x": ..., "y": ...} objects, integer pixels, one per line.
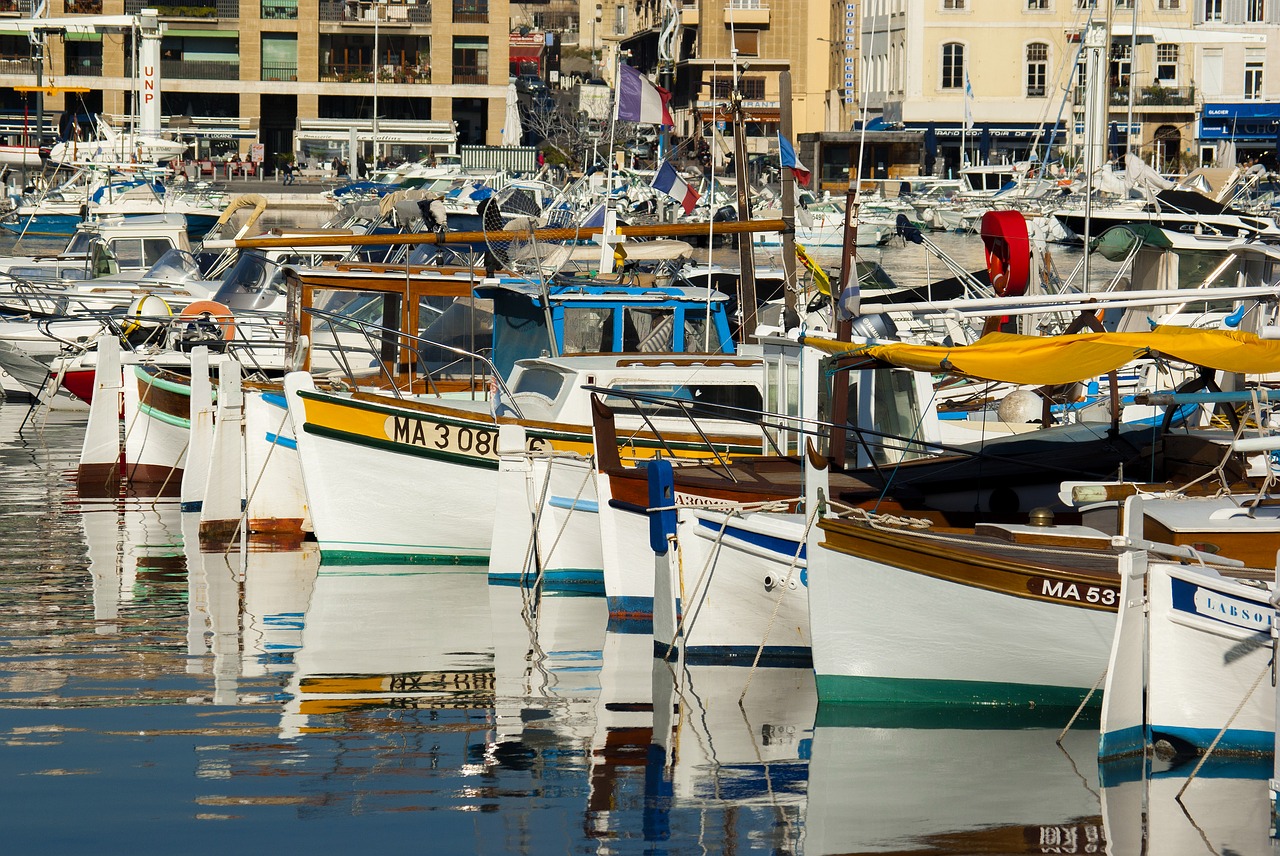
[{"x": 895, "y": 620}]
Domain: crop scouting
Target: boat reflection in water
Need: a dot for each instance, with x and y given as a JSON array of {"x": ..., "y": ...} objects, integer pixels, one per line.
[
  {"x": 245, "y": 611},
  {"x": 380, "y": 637},
  {"x": 1225, "y": 807},
  {"x": 932, "y": 781},
  {"x": 135, "y": 556}
]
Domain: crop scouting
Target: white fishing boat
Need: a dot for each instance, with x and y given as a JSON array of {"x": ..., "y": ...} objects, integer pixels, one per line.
[
  {"x": 1193, "y": 642},
  {"x": 422, "y": 440}
]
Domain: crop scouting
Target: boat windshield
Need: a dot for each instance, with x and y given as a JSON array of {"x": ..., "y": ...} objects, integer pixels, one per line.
[
  {"x": 175, "y": 266},
  {"x": 80, "y": 243},
  {"x": 254, "y": 282}
]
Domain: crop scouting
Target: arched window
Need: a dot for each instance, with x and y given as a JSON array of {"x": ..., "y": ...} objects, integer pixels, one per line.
[
  {"x": 952, "y": 65},
  {"x": 1037, "y": 70}
]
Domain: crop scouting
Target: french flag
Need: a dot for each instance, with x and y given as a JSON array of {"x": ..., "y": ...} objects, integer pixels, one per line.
[
  {"x": 787, "y": 157},
  {"x": 641, "y": 101},
  {"x": 669, "y": 182}
]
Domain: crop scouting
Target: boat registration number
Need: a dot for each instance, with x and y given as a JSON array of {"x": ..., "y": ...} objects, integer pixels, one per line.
[
  {"x": 456, "y": 439},
  {"x": 1069, "y": 592}
]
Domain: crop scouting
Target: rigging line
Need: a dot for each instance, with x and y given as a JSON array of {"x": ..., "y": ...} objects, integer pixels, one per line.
[
  {"x": 1266, "y": 670},
  {"x": 777, "y": 604}
]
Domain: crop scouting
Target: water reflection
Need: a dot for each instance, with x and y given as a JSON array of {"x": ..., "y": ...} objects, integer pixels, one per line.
[
  {"x": 378, "y": 638},
  {"x": 1224, "y": 808},
  {"x": 889, "y": 780},
  {"x": 226, "y": 695}
]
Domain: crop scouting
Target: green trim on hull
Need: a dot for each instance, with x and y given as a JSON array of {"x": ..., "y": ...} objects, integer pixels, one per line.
[
  {"x": 351, "y": 558},
  {"x": 161, "y": 416},
  {"x": 843, "y": 689}
]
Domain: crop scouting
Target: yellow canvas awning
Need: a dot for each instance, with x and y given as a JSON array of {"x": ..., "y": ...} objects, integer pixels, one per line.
[{"x": 1045, "y": 360}]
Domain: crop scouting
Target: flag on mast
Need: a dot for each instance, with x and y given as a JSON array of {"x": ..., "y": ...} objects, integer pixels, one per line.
[
  {"x": 968, "y": 102},
  {"x": 787, "y": 158},
  {"x": 641, "y": 101},
  {"x": 669, "y": 182}
]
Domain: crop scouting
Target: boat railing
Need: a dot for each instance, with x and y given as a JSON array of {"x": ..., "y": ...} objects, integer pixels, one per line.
[{"x": 380, "y": 339}]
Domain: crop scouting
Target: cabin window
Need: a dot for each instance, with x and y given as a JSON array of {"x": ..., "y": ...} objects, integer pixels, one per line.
[
  {"x": 465, "y": 323},
  {"x": 699, "y": 336},
  {"x": 137, "y": 252},
  {"x": 588, "y": 330},
  {"x": 896, "y": 411},
  {"x": 648, "y": 331},
  {"x": 540, "y": 381},
  {"x": 356, "y": 354}
]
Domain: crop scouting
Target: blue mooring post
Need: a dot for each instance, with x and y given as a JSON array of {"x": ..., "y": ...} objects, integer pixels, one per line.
[{"x": 662, "y": 498}]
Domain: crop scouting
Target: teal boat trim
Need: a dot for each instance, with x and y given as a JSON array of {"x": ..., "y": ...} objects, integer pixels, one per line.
[
  {"x": 161, "y": 416},
  {"x": 849, "y": 689}
]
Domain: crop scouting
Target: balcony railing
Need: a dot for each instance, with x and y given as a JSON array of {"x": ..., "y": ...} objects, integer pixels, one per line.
[
  {"x": 85, "y": 66},
  {"x": 354, "y": 12},
  {"x": 470, "y": 74},
  {"x": 25, "y": 8},
  {"x": 1148, "y": 96},
  {"x": 198, "y": 9},
  {"x": 354, "y": 73},
  {"x": 279, "y": 10},
  {"x": 192, "y": 69},
  {"x": 280, "y": 72},
  {"x": 17, "y": 65},
  {"x": 470, "y": 12},
  {"x": 84, "y": 7}
]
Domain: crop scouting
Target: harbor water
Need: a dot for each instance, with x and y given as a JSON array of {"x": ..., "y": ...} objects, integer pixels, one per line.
[{"x": 158, "y": 698}]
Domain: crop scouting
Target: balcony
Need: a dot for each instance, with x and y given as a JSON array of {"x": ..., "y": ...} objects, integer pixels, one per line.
[
  {"x": 17, "y": 65},
  {"x": 470, "y": 74},
  {"x": 192, "y": 69},
  {"x": 359, "y": 73},
  {"x": 84, "y": 66},
  {"x": 754, "y": 12},
  {"x": 280, "y": 72},
  {"x": 354, "y": 12},
  {"x": 1148, "y": 96},
  {"x": 84, "y": 7},
  {"x": 279, "y": 10},
  {"x": 199, "y": 10},
  {"x": 470, "y": 12},
  {"x": 689, "y": 15},
  {"x": 22, "y": 8}
]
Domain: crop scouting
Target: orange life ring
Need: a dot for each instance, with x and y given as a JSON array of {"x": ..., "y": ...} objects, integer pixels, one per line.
[{"x": 219, "y": 312}]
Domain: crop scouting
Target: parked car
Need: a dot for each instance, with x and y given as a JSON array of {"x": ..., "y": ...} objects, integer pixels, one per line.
[{"x": 531, "y": 83}]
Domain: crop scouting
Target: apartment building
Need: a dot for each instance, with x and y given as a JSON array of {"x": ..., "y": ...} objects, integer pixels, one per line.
[
  {"x": 756, "y": 40},
  {"x": 236, "y": 72},
  {"x": 997, "y": 81}
]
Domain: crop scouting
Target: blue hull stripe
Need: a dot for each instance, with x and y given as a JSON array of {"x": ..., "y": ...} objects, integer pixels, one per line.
[
  {"x": 779, "y": 656},
  {"x": 784, "y": 547},
  {"x": 191, "y": 506},
  {"x": 587, "y": 505},
  {"x": 631, "y": 607},
  {"x": 282, "y": 442}
]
